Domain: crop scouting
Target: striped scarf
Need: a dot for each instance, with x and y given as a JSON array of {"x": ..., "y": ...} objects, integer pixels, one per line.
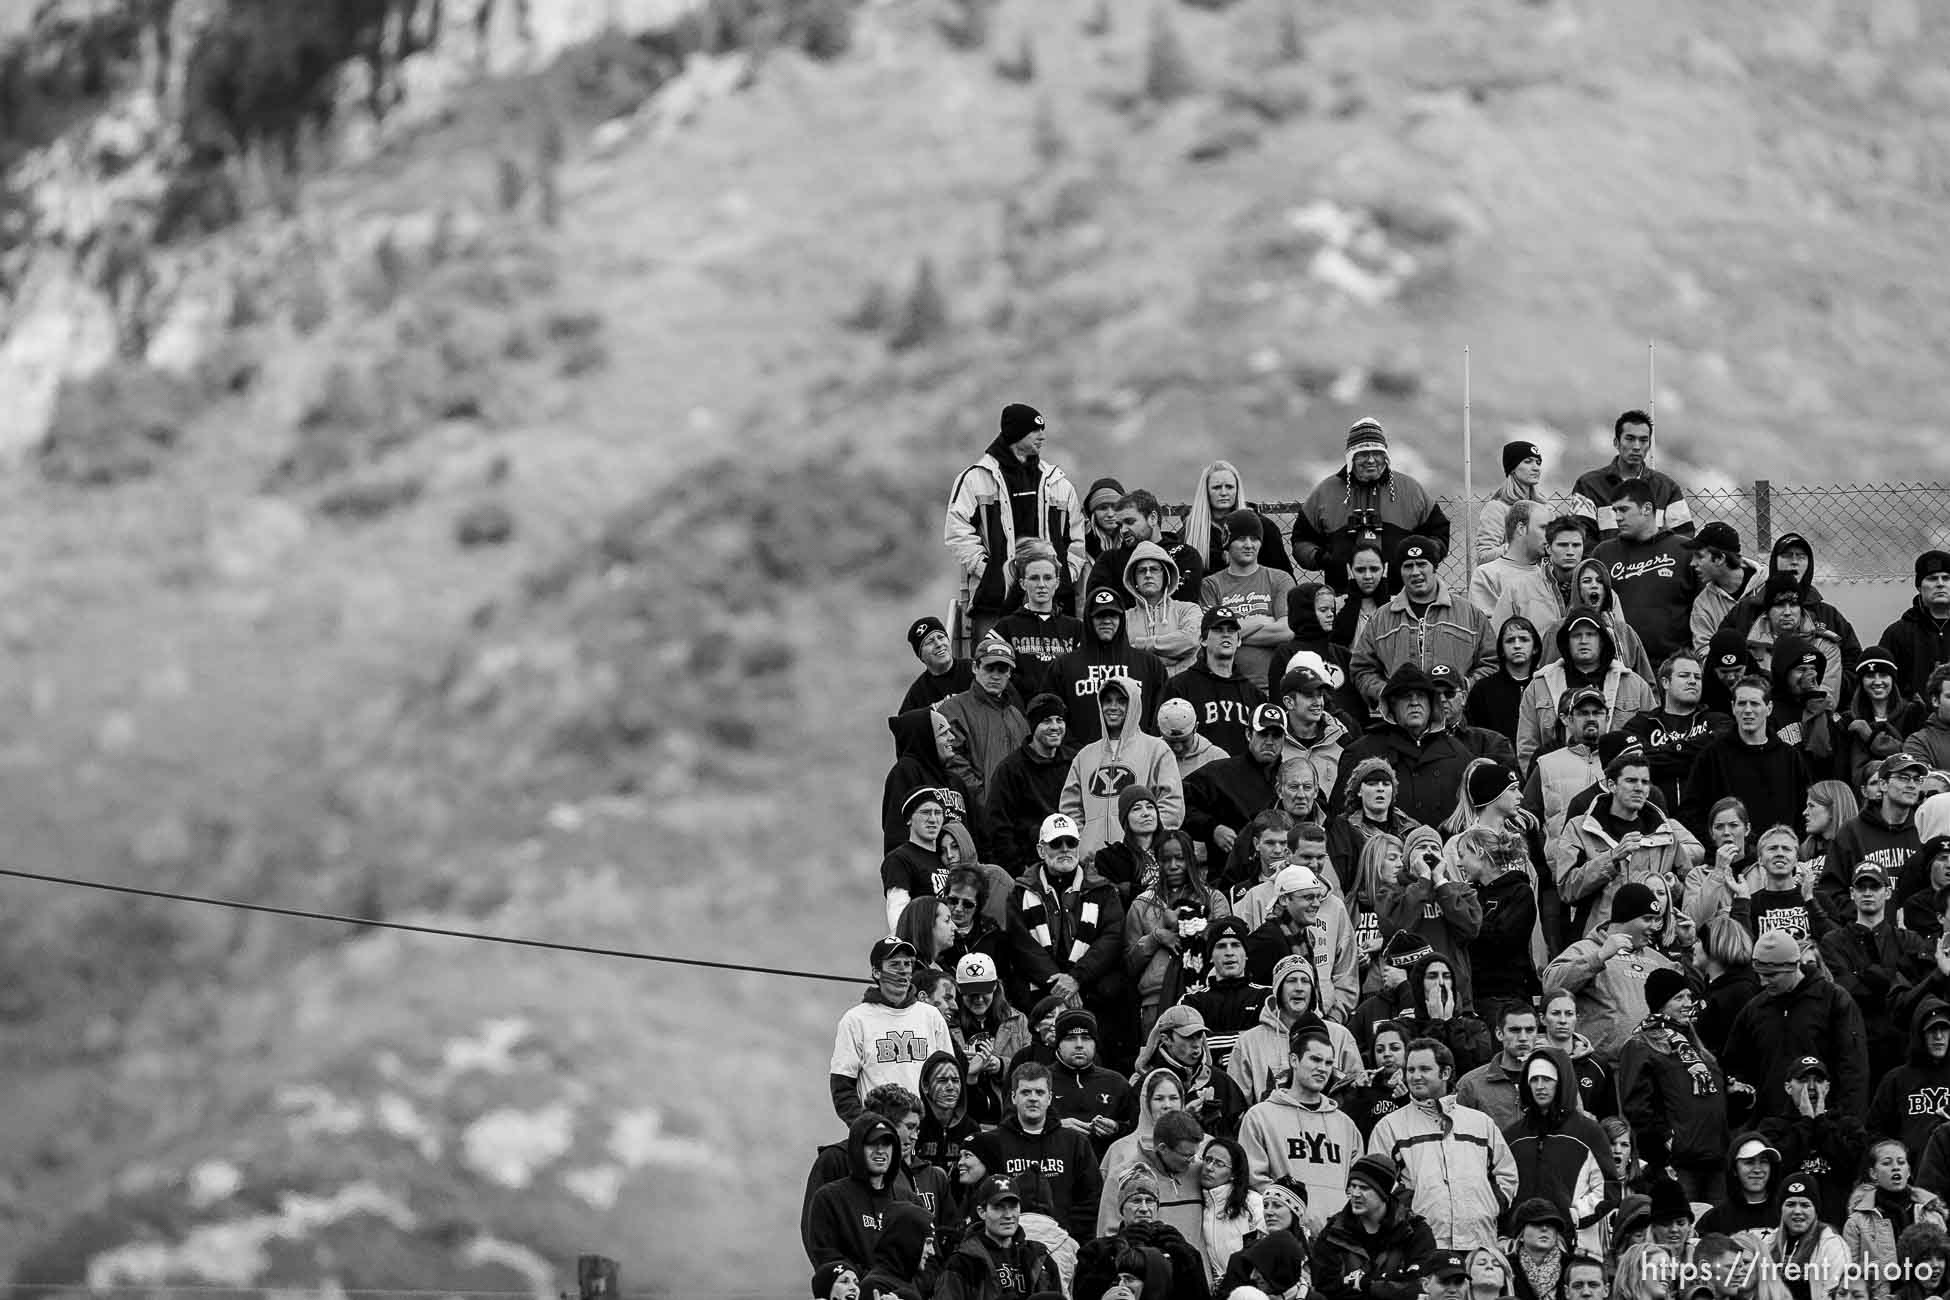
[{"x": 1036, "y": 918}]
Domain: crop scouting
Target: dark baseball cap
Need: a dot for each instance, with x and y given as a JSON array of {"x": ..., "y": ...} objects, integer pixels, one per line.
[
  {"x": 1269, "y": 717},
  {"x": 1806, "y": 1066},
  {"x": 1715, "y": 537},
  {"x": 1217, "y": 616},
  {"x": 996, "y": 1188},
  {"x": 1446, "y": 679},
  {"x": 1448, "y": 1265}
]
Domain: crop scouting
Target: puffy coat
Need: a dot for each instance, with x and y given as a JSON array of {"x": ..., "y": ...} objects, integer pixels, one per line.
[
  {"x": 980, "y": 529},
  {"x": 1456, "y": 1170},
  {"x": 1586, "y": 884},
  {"x": 1163, "y": 973},
  {"x": 1871, "y": 1238},
  {"x": 1390, "y": 1268},
  {"x": 1610, "y": 994},
  {"x": 1452, "y": 632},
  {"x": 1399, "y": 506}
]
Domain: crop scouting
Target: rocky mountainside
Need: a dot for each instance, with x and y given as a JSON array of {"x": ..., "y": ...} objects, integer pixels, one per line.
[{"x": 502, "y": 520}]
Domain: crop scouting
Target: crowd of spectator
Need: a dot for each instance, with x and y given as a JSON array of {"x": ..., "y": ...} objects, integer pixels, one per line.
[{"x": 1269, "y": 919}]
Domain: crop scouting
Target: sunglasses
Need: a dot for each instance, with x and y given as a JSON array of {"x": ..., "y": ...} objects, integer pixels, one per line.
[
  {"x": 1061, "y": 844},
  {"x": 960, "y": 904}
]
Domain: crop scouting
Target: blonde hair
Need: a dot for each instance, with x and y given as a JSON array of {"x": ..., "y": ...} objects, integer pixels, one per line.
[{"x": 1199, "y": 520}]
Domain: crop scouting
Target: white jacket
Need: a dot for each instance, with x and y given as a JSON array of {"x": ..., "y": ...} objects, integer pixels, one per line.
[{"x": 980, "y": 484}]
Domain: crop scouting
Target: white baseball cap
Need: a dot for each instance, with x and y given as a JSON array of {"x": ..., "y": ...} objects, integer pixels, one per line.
[
  {"x": 1296, "y": 879},
  {"x": 1177, "y": 718},
  {"x": 975, "y": 972},
  {"x": 1056, "y": 827}
]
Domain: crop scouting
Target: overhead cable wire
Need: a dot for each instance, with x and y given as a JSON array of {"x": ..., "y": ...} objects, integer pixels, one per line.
[{"x": 445, "y": 932}]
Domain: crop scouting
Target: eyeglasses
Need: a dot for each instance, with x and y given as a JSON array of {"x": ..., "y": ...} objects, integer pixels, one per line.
[
  {"x": 1062, "y": 844},
  {"x": 960, "y": 904}
]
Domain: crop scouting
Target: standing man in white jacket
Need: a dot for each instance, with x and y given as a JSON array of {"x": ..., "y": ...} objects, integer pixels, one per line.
[
  {"x": 1457, "y": 1171},
  {"x": 1006, "y": 495}
]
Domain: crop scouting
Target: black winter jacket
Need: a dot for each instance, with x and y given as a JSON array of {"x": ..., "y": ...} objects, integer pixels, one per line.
[
  {"x": 1428, "y": 771},
  {"x": 1389, "y": 1262},
  {"x": 1096, "y": 1270},
  {"x": 1024, "y": 788},
  {"x": 1918, "y": 643},
  {"x": 1815, "y": 1018}
]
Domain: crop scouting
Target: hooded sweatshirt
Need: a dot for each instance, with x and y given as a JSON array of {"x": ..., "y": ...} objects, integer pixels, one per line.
[
  {"x": 1313, "y": 1144},
  {"x": 942, "y": 1135},
  {"x": 847, "y": 1214},
  {"x": 1930, "y": 742},
  {"x": 1496, "y": 702},
  {"x": 1918, "y": 642},
  {"x": 1560, "y": 1152},
  {"x": 1077, "y": 675},
  {"x": 1914, "y": 1098},
  {"x": 1105, "y": 766},
  {"x": 978, "y": 1269},
  {"x": 1168, "y": 628},
  {"x": 1310, "y": 636},
  {"x": 1180, "y": 1202},
  {"x": 904, "y": 1233},
  {"x": 1626, "y": 693},
  {"x": 1224, "y": 704},
  {"x": 918, "y": 763},
  {"x": 1210, "y": 1094},
  {"x": 1752, "y": 603},
  {"x": 883, "y": 1042},
  {"x": 1259, "y": 1063},
  {"x": 1868, "y": 837}
]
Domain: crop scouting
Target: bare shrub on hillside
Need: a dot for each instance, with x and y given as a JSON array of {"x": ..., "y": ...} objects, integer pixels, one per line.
[
  {"x": 311, "y": 302},
  {"x": 368, "y": 499},
  {"x": 509, "y": 184},
  {"x": 1289, "y": 42},
  {"x": 1047, "y": 136},
  {"x": 1019, "y": 67},
  {"x": 1097, "y": 21},
  {"x": 923, "y": 314},
  {"x": 872, "y": 312},
  {"x": 1169, "y": 73},
  {"x": 966, "y": 24},
  {"x": 113, "y": 426}
]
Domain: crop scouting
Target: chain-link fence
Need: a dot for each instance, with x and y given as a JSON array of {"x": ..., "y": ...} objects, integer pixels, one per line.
[{"x": 1867, "y": 532}]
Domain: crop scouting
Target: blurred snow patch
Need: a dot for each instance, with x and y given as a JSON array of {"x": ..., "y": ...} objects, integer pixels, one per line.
[
  {"x": 402, "y": 1119},
  {"x": 519, "y": 1259},
  {"x": 491, "y": 1052},
  {"x": 213, "y": 1181},
  {"x": 597, "y": 1188},
  {"x": 638, "y": 1140},
  {"x": 233, "y": 1253},
  {"x": 510, "y": 1146}
]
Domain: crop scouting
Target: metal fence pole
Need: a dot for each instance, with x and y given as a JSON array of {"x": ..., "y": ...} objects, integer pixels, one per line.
[{"x": 1763, "y": 515}]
